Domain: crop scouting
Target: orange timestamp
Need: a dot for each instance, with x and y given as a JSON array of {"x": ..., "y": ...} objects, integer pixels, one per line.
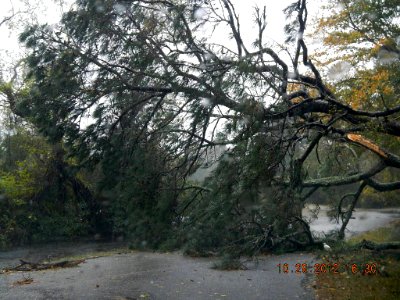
[{"x": 331, "y": 268}]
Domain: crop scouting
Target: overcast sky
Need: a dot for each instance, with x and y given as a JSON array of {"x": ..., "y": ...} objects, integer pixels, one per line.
[{"x": 49, "y": 11}]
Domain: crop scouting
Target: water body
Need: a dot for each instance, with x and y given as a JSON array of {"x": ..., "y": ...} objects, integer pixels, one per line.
[{"x": 362, "y": 220}]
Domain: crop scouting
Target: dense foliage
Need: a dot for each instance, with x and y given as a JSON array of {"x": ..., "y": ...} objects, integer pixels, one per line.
[
  {"x": 134, "y": 98},
  {"x": 38, "y": 203},
  {"x": 361, "y": 54}
]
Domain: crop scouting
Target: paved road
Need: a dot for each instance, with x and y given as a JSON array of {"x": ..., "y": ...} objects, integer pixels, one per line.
[{"x": 144, "y": 275}]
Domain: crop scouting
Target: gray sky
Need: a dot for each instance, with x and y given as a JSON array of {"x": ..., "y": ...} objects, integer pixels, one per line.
[
  {"x": 37, "y": 11},
  {"x": 49, "y": 11}
]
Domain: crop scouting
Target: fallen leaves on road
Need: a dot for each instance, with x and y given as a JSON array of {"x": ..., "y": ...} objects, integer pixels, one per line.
[
  {"x": 31, "y": 266},
  {"x": 23, "y": 281}
]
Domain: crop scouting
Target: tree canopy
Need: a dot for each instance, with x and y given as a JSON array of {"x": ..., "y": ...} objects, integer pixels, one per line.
[{"x": 125, "y": 81}]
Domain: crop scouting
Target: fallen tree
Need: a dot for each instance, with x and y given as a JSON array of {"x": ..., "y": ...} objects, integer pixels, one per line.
[
  {"x": 143, "y": 72},
  {"x": 378, "y": 246},
  {"x": 32, "y": 266}
]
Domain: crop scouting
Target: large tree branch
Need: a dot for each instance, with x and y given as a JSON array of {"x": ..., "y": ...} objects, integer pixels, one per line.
[
  {"x": 383, "y": 187},
  {"x": 235, "y": 26},
  {"x": 343, "y": 180},
  {"x": 390, "y": 159},
  {"x": 348, "y": 214}
]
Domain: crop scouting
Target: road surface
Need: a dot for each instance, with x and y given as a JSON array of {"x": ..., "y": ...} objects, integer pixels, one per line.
[{"x": 147, "y": 275}]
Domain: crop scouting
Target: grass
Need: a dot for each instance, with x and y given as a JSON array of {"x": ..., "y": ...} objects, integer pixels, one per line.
[
  {"x": 390, "y": 233},
  {"x": 382, "y": 284}
]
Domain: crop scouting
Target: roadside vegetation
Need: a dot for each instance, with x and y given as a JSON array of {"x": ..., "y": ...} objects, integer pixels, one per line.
[{"x": 377, "y": 272}]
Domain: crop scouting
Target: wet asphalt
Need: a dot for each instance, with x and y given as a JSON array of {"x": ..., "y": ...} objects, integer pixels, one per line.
[{"x": 147, "y": 275}]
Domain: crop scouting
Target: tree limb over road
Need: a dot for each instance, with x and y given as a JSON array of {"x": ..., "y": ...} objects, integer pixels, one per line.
[{"x": 144, "y": 71}]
